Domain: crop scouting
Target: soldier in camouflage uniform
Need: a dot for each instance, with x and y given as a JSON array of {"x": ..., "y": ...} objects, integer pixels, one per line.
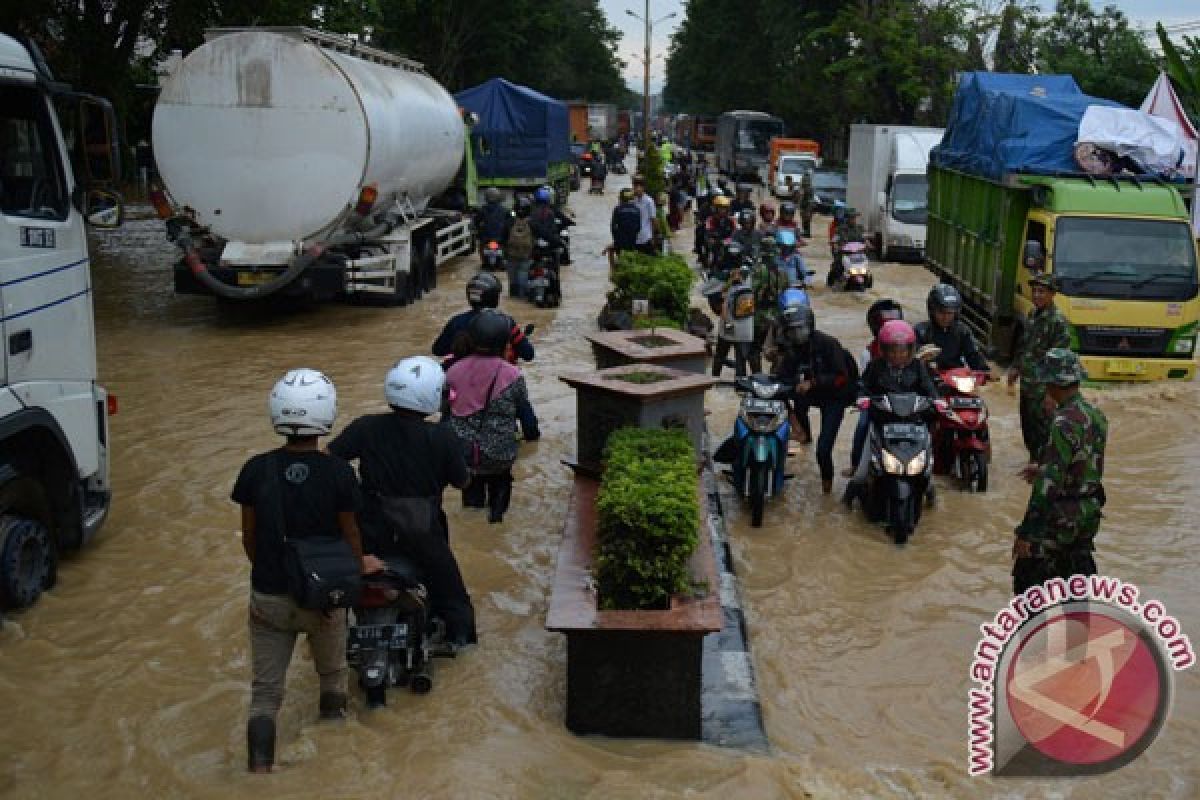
[
  {"x": 769, "y": 282},
  {"x": 806, "y": 202},
  {"x": 1055, "y": 539},
  {"x": 1045, "y": 329}
]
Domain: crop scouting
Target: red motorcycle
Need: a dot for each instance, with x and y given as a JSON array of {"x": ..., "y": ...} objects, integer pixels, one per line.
[{"x": 961, "y": 444}]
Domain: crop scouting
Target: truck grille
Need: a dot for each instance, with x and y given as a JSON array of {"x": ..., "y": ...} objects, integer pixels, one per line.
[{"x": 1115, "y": 341}]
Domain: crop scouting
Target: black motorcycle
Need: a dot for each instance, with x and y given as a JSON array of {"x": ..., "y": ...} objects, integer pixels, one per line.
[
  {"x": 392, "y": 638},
  {"x": 900, "y": 450},
  {"x": 493, "y": 256},
  {"x": 543, "y": 287}
]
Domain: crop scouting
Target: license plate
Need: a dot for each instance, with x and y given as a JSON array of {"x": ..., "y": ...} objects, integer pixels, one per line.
[
  {"x": 254, "y": 278},
  {"x": 1123, "y": 366},
  {"x": 378, "y": 635}
]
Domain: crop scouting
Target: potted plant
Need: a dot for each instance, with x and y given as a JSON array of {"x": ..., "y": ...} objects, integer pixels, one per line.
[{"x": 636, "y": 590}]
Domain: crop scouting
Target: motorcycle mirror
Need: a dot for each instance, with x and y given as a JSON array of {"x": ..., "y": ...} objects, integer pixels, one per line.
[{"x": 529, "y": 329}]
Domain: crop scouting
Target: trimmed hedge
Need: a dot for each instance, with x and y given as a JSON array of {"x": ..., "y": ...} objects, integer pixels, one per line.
[
  {"x": 666, "y": 281},
  {"x": 647, "y": 515}
]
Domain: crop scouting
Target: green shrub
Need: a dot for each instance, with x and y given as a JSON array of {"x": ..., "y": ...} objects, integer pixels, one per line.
[
  {"x": 647, "y": 514},
  {"x": 666, "y": 281},
  {"x": 656, "y": 321},
  {"x": 651, "y": 167}
]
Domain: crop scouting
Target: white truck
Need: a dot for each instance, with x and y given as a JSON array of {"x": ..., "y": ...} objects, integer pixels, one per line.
[
  {"x": 305, "y": 164},
  {"x": 54, "y": 491},
  {"x": 886, "y": 183}
]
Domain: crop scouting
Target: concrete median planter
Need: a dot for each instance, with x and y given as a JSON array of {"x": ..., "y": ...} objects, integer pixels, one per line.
[
  {"x": 635, "y": 395},
  {"x": 666, "y": 347},
  {"x": 630, "y": 673}
]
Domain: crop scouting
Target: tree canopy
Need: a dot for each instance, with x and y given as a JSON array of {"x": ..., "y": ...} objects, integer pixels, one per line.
[{"x": 824, "y": 64}]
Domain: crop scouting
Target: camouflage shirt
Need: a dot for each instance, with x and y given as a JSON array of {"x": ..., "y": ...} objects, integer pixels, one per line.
[
  {"x": 1067, "y": 496},
  {"x": 768, "y": 285},
  {"x": 1045, "y": 329}
]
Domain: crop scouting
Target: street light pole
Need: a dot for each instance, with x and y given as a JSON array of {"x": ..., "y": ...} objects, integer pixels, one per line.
[{"x": 646, "y": 82}]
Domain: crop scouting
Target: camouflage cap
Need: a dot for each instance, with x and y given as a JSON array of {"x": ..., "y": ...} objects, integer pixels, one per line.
[
  {"x": 1045, "y": 279},
  {"x": 1060, "y": 367}
]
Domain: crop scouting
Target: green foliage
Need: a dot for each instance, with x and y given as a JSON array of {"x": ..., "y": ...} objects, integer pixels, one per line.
[
  {"x": 1183, "y": 67},
  {"x": 650, "y": 165},
  {"x": 1107, "y": 57},
  {"x": 657, "y": 321},
  {"x": 666, "y": 281},
  {"x": 647, "y": 514}
]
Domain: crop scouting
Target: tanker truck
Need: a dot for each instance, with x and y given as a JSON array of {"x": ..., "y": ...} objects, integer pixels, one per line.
[{"x": 303, "y": 164}]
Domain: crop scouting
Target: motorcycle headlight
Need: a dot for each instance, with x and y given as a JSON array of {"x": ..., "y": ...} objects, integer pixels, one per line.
[
  {"x": 891, "y": 464},
  {"x": 857, "y": 270},
  {"x": 766, "y": 391},
  {"x": 917, "y": 465},
  {"x": 965, "y": 384},
  {"x": 764, "y": 421}
]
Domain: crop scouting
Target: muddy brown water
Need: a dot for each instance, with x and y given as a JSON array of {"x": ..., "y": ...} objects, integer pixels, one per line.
[{"x": 131, "y": 677}]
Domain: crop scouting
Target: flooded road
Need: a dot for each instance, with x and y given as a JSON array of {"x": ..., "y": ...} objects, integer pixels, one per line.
[{"x": 131, "y": 677}]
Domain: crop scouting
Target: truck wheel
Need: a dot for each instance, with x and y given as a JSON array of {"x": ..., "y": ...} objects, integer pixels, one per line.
[
  {"x": 428, "y": 266},
  {"x": 26, "y": 561}
]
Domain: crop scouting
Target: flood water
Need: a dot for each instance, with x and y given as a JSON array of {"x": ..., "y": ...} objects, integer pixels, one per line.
[{"x": 131, "y": 678}]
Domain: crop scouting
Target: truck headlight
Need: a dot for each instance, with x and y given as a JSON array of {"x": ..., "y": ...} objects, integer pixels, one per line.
[{"x": 1185, "y": 345}]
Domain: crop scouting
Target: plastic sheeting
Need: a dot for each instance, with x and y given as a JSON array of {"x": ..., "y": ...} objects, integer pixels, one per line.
[
  {"x": 520, "y": 131},
  {"x": 1002, "y": 123},
  {"x": 1153, "y": 143}
]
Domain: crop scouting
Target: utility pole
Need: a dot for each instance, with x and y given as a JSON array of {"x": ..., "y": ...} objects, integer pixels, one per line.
[{"x": 646, "y": 82}]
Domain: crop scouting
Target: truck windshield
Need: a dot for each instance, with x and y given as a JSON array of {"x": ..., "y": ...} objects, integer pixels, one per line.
[
  {"x": 754, "y": 136},
  {"x": 31, "y": 175},
  {"x": 910, "y": 195},
  {"x": 1125, "y": 258},
  {"x": 794, "y": 166}
]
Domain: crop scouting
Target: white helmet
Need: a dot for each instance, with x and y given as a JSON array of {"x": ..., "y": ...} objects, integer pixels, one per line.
[
  {"x": 415, "y": 383},
  {"x": 303, "y": 403}
]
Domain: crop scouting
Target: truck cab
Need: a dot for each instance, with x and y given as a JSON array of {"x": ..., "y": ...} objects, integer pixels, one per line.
[
  {"x": 1125, "y": 259},
  {"x": 54, "y": 489}
]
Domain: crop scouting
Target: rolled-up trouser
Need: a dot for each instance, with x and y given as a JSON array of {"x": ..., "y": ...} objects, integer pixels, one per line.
[
  {"x": 275, "y": 620},
  {"x": 831, "y": 423},
  {"x": 1035, "y": 424},
  {"x": 1030, "y": 572}
]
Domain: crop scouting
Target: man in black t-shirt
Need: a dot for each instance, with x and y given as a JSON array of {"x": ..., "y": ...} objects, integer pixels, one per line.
[
  {"x": 298, "y": 492},
  {"x": 401, "y": 455}
]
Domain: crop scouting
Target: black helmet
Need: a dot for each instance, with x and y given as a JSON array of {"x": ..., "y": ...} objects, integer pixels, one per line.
[
  {"x": 734, "y": 251},
  {"x": 483, "y": 291},
  {"x": 746, "y": 215},
  {"x": 490, "y": 331},
  {"x": 787, "y": 209},
  {"x": 943, "y": 297},
  {"x": 880, "y": 312},
  {"x": 799, "y": 322}
]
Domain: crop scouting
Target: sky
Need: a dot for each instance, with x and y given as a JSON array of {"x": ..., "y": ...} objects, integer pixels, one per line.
[{"x": 629, "y": 49}]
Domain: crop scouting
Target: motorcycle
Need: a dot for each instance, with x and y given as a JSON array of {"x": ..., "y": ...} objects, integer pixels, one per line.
[
  {"x": 961, "y": 444},
  {"x": 901, "y": 466},
  {"x": 543, "y": 285},
  {"x": 493, "y": 256},
  {"x": 855, "y": 274},
  {"x": 392, "y": 639},
  {"x": 757, "y": 450}
]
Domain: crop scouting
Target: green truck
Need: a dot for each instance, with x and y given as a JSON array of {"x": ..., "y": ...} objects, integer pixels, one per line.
[{"x": 1122, "y": 249}]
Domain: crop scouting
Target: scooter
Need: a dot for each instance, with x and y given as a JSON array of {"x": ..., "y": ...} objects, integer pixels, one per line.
[
  {"x": 961, "y": 443},
  {"x": 493, "y": 256},
  {"x": 543, "y": 285},
  {"x": 757, "y": 450},
  {"x": 901, "y": 465},
  {"x": 855, "y": 274},
  {"x": 392, "y": 639}
]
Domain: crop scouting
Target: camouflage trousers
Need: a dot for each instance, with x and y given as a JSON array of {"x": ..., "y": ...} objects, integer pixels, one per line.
[
  {"x": 1030, "y": 572},
  {"x": 1035, "y": 422}
]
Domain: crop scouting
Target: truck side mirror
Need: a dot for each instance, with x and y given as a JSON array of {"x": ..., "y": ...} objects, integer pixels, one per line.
[
  {"x": 98, "y": 134},
  {"x": 103, "y": 208},
  {"x": 1034, "y": 256}
]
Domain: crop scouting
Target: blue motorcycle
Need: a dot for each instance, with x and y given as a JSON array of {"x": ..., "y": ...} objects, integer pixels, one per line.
[{"x": 757, "y": 450}]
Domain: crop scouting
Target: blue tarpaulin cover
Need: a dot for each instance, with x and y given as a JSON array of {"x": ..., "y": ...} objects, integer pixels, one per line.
[
  {"x": 520, "y": 131},
  {"x": 1002, "y": 123}
]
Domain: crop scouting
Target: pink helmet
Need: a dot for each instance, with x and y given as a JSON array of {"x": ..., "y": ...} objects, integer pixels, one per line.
[{"x": 897, "y": 331}]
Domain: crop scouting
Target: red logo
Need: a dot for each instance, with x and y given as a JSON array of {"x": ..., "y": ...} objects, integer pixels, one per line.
[{"x": 1086, "y": 689}]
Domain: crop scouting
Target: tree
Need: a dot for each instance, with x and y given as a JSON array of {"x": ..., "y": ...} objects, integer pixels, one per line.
[
  {"x": 1016, "y": 40},
  {"x": 1107, "y": 57},
  {"x": 1183, "y": 67}
]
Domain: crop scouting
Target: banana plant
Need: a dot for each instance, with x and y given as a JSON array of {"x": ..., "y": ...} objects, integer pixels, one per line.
[{"x": 1184, "y": 70}]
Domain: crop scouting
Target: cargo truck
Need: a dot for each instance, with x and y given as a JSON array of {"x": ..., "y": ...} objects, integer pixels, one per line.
[
  {"x": 791, "y": 157},
  {"x": 886, "y": 184},
  {"x": 1122, "y": 250},
  {"x": 577, "y": 118},
  {"x": 54, "y": 436},
  {"x": 304, "y": 164},
  {"x": 743, "y": 143},
  {"x": 601, "y": 122}
]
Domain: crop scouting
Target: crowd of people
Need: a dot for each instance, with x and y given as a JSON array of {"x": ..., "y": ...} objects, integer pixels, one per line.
[{"x": 758, "y": 290}]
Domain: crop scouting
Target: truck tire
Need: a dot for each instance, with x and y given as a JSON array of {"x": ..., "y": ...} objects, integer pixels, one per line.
[{"x": 26, "y": 560}]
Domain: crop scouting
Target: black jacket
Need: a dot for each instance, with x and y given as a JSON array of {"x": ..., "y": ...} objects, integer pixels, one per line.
[
  {"x": 458, "y": 324},
  {"x": 957, "y": 344},
  {"x": 494, "y": 222},
  {"x": 545, "y": 223},
  {"x": 824, "y": 362},
  {"x": 626, "y": 222},
  {"x": 880, "y": 378}
]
